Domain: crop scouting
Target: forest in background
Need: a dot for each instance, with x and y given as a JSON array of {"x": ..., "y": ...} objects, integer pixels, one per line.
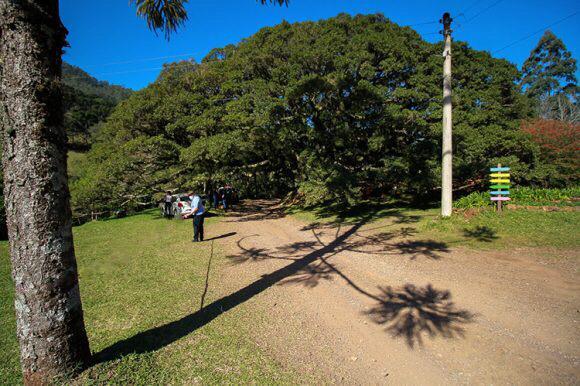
[
  {"x": 334, "y": 111},
  {"x": 87, "y": 102}
]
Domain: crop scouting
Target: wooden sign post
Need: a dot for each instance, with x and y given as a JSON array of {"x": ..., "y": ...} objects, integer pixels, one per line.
[{"x": 500, "y": 180}]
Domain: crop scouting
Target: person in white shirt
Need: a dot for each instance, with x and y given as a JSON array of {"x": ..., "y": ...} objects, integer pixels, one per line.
[
  {"x": 198, "y": 213},
  {"x": 167, "y": 199}
]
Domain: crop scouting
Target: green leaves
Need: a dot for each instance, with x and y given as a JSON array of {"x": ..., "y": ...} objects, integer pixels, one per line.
[
  {"x": 549, "y": 79},
  {"x": 116, "y": 172},
  {"x": 330, "y": 108},
  {"x": 550, "y": 69}
]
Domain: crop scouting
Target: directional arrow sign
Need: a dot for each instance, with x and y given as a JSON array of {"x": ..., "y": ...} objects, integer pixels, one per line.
[
  {"x": 502, "y": 169},
  {"x": 501, "y": 192},
  {"x": 507, "y": 186},
  {"x": 500, "y": 199}
]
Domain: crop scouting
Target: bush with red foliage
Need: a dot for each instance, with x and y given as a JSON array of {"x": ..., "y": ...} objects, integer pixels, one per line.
[{"x": 559, "y": 144}]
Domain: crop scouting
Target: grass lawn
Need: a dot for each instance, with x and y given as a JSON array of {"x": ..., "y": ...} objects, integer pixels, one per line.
[
  {"x": 9, "y": 361},
  {"x": 142, "y": 272},
  {"x": 488, "y": 229}
]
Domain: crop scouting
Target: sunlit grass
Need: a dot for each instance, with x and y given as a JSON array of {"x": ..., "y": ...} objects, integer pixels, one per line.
[
  {"x": 509, "y": 229},
  {"x": 138, "y": 273},
  {"x": 9, "y": 360},
  {"x": 482, "y": 230}
]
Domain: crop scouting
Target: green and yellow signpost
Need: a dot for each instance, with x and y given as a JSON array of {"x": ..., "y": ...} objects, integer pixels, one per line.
[{"x": 500, "y": 185}]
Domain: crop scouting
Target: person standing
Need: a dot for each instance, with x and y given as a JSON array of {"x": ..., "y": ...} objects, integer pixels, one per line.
[
  {"x": 228, "y": 196},
  {"x": 224, "y": 198},
  {"x": 215, "y": 199},
  {"x": 198, "y": 213},
  {"x": 167, "y": 200}
]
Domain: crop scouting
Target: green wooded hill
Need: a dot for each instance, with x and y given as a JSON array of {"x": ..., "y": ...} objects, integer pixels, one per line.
[
  {"x": 336, "y": 110},
  {"x": 87, "y": 102},
  {"x": 80, "y": 80}
]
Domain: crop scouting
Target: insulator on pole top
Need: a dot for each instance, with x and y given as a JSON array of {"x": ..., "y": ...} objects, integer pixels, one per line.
[{"x": 446, "y": 21}]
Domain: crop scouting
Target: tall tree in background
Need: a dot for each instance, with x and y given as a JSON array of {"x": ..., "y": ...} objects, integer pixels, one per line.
[
  {"x": 49, "y": 315},
  {"x": 548, "y": 76}
]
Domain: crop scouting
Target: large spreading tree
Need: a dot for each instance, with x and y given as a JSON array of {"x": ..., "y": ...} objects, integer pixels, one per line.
[
  {"x": 49, "y": 315},
  {"x": 337, "y": 110}
]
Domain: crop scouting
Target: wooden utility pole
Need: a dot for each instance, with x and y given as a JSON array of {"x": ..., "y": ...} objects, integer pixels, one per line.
[{"x": 447, "y": 152}]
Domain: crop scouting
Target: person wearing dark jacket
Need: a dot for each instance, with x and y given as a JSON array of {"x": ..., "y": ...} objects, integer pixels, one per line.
[{"x": 216, "y": 199}]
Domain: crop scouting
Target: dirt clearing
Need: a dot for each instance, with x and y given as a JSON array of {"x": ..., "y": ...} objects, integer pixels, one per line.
[{"x": 372, "y": 303}]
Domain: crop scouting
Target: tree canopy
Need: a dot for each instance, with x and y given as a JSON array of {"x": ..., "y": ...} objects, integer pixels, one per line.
[
  {"x": 337, "y": 110},
  {"x": 550, "y": 69},
  {"x": 549, "y": 79}
]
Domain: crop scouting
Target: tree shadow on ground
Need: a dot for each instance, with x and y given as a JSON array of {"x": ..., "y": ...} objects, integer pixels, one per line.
[
  {"x": 422, "y": 248},
  {"x": 411, "y": 312},
  {"x": 480, "y": 233},
  {"x": 308, "y": 264},
  {"x": 382, "y": 244}
]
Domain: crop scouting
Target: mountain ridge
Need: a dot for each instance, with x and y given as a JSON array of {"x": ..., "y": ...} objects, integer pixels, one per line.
[
  {"x": 79, "y": 79},
  {"x": 87, "y": 103}
]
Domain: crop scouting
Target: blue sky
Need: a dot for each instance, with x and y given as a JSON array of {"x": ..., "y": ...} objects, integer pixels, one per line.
[{"x": 111, "y": 43}]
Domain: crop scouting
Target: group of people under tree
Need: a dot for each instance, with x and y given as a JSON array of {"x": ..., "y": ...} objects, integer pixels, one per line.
[{"x": 224, "y": 195}]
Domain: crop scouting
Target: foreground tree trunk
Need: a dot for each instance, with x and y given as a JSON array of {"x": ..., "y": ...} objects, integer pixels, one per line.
[{"x": 50, "y": 327}]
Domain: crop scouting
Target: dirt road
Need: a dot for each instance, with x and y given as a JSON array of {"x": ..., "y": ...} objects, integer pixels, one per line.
[{"x": 370, "y": 303}]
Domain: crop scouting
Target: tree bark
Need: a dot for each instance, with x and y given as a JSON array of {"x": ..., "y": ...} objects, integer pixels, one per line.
[{"x": 49, "y": 317}]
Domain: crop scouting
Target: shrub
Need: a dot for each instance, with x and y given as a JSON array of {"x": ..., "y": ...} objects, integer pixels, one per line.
[
  {"x": 540, "y": 196},
  {"x": 559, "y": 143},
  {"x": 523, "y": 196},
  {"x": 473, "y": 200}
]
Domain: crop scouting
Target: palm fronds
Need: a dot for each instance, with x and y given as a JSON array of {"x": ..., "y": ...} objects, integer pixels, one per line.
[
  {"x": 162, "y": 15},
  {"x": 168, "y": 15}
]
